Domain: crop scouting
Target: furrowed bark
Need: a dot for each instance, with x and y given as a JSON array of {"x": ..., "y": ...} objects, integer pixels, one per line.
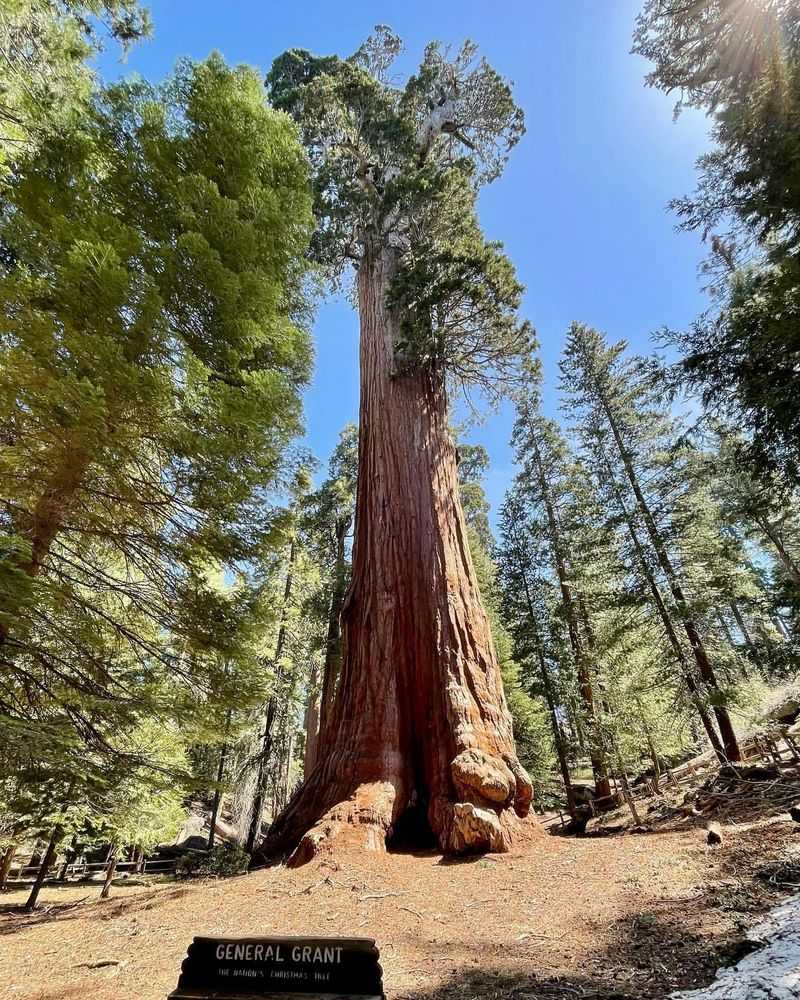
[{"x": 420, "y": 736}]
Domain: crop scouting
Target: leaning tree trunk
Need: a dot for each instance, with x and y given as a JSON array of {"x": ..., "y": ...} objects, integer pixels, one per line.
[
  {"x": 47, "y": 863},
  {"x": 421, "y": 736}
]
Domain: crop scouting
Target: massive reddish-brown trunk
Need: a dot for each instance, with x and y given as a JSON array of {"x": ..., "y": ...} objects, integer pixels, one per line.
[{"x": 420, "y": 738}]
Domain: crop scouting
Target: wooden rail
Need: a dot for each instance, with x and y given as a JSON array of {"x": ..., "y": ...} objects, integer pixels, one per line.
[
  {"x": 764, "y": 746},
  {"x": 86, "y": 869}
]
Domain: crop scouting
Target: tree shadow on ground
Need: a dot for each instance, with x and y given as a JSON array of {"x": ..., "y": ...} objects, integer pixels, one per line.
[
  {"x": 648, "y": 954},
  {"x": 13, "y": 918}
]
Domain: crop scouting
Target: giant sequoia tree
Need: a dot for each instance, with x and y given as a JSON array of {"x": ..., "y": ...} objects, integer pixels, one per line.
[{"x": 421, "y": 739}]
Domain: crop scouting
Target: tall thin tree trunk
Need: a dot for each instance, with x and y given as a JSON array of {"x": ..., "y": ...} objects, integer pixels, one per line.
[
  {"x": 666, "y": 620},
  {"x": 626, "y": 785},
  {"x": 726, "y": 729},
  {"x": 111, "y": 868},
  {"x": 574, "y": 713},
  {"x": 725, "y": 630},
  {"x": 47, "y": 862},
  {"x": 223, "y": 753},
  {"x": 333, "y": 645},
  {"x": 420, "y": 731},
  {"x": 272, "y": 707},
  {"x": 311, "y": 721},
  {"x": 558, "y": 732},
  {"x": 780, "y": 625},
  {"x": 69, "y": 857},
  {"x": 287, "y": 777},
  {"x": 789, "y": 564},
  {"x": 602, "y": 785},
  {"x": 651, "y": 747},
  {"x": 742, "y": 626},
  {"x": 5, "y": 865}
]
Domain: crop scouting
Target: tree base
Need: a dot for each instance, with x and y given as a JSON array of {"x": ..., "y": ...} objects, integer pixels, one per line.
[
  {"x": 488, "y": 817},
  {"x": 362, "y": 822}
]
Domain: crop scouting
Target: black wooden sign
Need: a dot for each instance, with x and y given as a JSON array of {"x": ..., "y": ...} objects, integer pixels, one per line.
[{"x": 263, "y": 967}]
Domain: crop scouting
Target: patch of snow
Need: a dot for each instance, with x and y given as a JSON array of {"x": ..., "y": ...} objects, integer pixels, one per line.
[{"x": 770, "y": 973}]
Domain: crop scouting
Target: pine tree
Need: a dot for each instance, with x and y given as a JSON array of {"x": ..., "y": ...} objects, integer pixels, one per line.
[
  {"x": 528, "y": 607},
  {"x": 545, "y": 481},
  {"x": 151, "y": 363},
  {"x": 740, "y": 63},
  {"x": 328, "y": 523},
  {"x": 598, "y": 382}
]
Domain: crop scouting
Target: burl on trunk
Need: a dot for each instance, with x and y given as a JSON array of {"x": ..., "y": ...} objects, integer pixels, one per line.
[{"x": 421, "y": 738}]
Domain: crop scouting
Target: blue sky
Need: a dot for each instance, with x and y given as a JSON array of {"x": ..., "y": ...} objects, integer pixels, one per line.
[{"x": 581, "y": 207}]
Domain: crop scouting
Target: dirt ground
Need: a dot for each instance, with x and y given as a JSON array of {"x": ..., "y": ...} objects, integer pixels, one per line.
[{"x": 623, "y": 916}]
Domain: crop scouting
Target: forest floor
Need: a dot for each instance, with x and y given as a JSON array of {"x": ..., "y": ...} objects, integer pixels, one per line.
[{"x": 625, "y": 915}]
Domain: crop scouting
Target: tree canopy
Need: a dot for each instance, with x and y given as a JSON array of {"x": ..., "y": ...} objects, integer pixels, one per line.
[
  {"x": 400, "y": 167},
  {"x": 152, "y": 355}
]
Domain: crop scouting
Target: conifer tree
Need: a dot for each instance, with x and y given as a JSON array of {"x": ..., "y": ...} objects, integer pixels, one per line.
[
  {"x": 528, "y": 608},
  {"x": 598, "y": 382},
  {"x": 151, "y": 362},
  {"x": 421, "y": 725},
  {"x": 740, "y": 63},
  {"x": 545, "y": 481},
  {"x": 328, "y": 524},
  {"x": 45, "y": 77}
]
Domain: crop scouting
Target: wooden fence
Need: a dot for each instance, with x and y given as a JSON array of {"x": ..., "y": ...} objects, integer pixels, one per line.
[
  {"x": 83, "y": 870},
  {"x": 779, "y": 749}
]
